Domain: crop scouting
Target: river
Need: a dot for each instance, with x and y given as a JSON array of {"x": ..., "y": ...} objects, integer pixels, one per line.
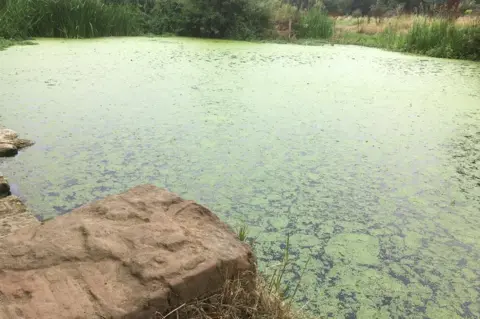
[{"x": 369, "y": 161}]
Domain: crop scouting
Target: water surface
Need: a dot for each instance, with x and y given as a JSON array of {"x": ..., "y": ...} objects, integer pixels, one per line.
[{"x": 370, "y": 160}]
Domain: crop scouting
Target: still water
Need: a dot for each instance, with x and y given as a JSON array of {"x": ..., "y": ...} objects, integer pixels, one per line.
[{"x": 369, "y": 160}]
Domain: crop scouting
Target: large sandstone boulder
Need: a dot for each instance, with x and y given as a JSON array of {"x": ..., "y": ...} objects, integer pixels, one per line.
[
  {"x": 10, "y": 143},
  {"x": 125, "y": 256}
]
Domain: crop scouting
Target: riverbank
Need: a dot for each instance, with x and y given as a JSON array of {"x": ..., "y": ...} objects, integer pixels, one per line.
[
  {"x": 247, "y": 20},
  {"x": 436, "y": 37},
  {"x": 5, "y": 43},
  {"x": 10, "y": 143}
]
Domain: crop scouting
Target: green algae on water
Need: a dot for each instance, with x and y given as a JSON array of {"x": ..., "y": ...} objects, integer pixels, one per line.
[{"x": 355, "y": 153}]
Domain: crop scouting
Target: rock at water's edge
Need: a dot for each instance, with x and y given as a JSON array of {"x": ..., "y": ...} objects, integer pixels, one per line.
[
  {"x": 4, "y": 187},
  {"x": 7, "y": 149},
  {"x": 121, "y": 257},
  {"x": 22, "y": 143},
  {"x": 7, "y": 134},
  {"x": 10, "y": 143},
  {"x": 13, "y": 216}
]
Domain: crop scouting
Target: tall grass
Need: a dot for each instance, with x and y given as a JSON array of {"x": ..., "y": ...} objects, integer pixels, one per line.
[
  {"x": 315, "y": 24},
  {"x": 437, "y": 37},
  {"x": 274, "y": 282},
  {"x": 442, "y": 38},
  {"x": 67, "y": 18}
]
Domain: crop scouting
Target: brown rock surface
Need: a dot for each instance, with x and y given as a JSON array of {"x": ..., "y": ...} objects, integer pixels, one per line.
[
  {"x": 121, "y": 257},
  {"x": 21, "y": 143},
  {"x": 13, "y": 215}
]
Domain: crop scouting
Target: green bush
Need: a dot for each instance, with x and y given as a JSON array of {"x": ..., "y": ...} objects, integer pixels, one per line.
[
  {"x": 67, "y": 18},
  {"x": 238, "y": 19},
  {"x": 315, "y": 24}
]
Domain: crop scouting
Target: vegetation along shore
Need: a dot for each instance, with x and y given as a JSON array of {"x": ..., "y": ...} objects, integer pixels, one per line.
[{"x": 448, "y": 29}]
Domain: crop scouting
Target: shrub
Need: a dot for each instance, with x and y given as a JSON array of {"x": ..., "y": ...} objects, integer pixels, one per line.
[
  {"x": 285, "y": 12},
  {"x": 315, "y": 24},
  {"x": 238, "y": 19}
]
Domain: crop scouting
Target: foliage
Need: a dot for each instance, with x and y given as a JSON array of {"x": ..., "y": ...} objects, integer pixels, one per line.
[
  {"x": 67, "y": 18},
  {"x": 242, "y": 19},
  {"x": 285, "y": 12},
  {"x": 144, "y": 5},
  {"x": 238, "y": 19},
  {"x": 242, "y": 233},
  {"x": 442, "y": 38},
  {"x": 433, "y": 37},
  {"x": 315, "y": 24},
  {"x": 338, "y": 6},
  {"x": 5, "y": 43}
]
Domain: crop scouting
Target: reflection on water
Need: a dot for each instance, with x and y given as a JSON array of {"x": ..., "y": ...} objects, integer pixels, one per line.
[{"x": 368, "y": 159}]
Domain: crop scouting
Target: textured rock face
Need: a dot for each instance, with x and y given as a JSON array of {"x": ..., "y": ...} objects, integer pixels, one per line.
[
  {"x": 8, "y": 134},
  {"x": 10, "y": 143},
  {"x": 122, "y": 257},
  {"x": 13, "y": 216}
]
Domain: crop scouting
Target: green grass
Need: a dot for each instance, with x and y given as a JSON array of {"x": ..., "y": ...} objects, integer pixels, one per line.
[
  {"x": 442, "y": 38},
  {"x": 315, "y": 24},
  {"x": 242, "y": 233},
  {"x": 357, "y": 39},
  {"x": 437, "y": 38},
  {"x": 275, "y": 279},
  {"x": 4, "y": 43},
  {"x": 67, "y": 18}
]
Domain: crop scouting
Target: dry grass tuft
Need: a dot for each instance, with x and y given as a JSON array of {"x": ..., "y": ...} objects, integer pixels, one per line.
[
  {"x": 248, "y": 296},
  {"x": 239, "y": 299}
]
